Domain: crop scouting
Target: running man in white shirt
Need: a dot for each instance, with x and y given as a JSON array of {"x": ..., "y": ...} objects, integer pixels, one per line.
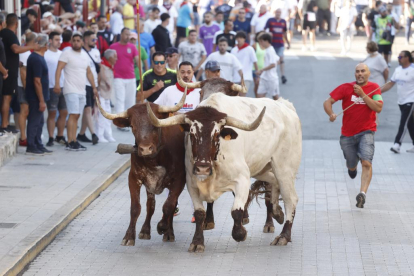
[
  {"x": 269, "y": 81},
  {"x": 404, "y": 78},
  {"x": 173, "y": 94},
  {"x": 228, "y": 62}
]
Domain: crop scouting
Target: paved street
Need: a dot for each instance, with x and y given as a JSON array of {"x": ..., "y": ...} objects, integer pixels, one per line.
[{"x": 330, "y": 235}]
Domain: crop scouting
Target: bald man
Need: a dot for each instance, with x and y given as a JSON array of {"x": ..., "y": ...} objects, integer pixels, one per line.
[{"x": 358, "y": 124}]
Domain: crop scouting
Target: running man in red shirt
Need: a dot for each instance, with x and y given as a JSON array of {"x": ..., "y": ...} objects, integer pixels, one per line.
[{"x": 358, "y": 124}]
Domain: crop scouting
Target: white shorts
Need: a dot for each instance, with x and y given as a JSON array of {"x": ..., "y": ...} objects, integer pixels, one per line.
[
  {"x": 268, "y": 86},
  {"x": 75, "y": 103}
]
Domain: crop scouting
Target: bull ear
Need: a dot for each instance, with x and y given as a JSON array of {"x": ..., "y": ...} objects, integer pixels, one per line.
[
  {"x": 121, "y": 122},
  {"x": 228, "y": 133}
]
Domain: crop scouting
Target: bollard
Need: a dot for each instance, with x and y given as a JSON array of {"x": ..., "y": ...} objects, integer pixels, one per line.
[{"x": 126, "y": 149}]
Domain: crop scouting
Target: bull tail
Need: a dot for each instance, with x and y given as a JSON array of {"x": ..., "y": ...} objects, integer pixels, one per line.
[{"x": 256, "y": 189}]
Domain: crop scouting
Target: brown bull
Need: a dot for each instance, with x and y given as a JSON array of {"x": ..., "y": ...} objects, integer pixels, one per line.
[
  {"x": 219, "y": 85},
  {"x": 157, "y": 163}
]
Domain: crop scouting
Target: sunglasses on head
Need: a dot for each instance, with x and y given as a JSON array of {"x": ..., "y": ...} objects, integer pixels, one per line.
[{"x": 159, "y": 62}]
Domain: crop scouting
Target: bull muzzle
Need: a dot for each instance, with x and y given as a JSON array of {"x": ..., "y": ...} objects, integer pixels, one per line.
[
  {"x": 202, "y": 169},
  {"x": 146, "y": 149}
]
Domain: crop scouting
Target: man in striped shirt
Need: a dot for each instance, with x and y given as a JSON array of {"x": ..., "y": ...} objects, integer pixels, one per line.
[{"x": 277, "y": 26}]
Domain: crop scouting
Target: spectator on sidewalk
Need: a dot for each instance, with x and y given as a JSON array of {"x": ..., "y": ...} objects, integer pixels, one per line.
[
  {"x": 269, "y": 81},
  {"x": 161, "y": 34},
  {"x": 12, "y": 49},
  {"x": 242, "y": 24},
  {"x": 227, "y": 33},
  {"x": 57, "y": 100},
  {"x": 359, "y": 125},
  {"x": 104, "y": 37},
  {"x": 192, "y": 51},
  {"x": 103, "y": 126},
  {"x": 247, "y": 57},
  {"x": 172, "y": 94},
  {"x": 129, "y": 14},
  {"x": 346, "y": 26},
  {"x": 147, "y": 41},
  {"x": 278, "y": 28},
  {"x": 382, "y": 27},
  {"x": 324, "y": 15},
  {"x": 184, "y": 19},
  {"x": 30, "y": 39},
  {"x": 404, "y": 78},
  {"x": 153, "y": 20},
  {"x": 155, "y": 80},
  {"x": 94, "y": 58},
  {"x": 227, "y": 61},
  {"x": 3, "y": 70},
  {"x": 409, "y": 19},
  {"x": 76, "y": 65},
  {"x": 207, "y": 31},
  {"x": 116, "y": 22},
  {"x": 37, "y": 91},
  {"x": 172, "y": 58},
  {"x": 307, "y": 12},
  {"x": 376, "y": 64},
  {"x": 143, "y": 55},
  {"x": 124, "y": 73}
]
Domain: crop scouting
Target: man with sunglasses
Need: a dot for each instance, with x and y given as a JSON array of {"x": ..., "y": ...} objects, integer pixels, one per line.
[
  {"x": 94, "y": 59},
  {"x": 155, "y": 80},
  {"x": 172, "y": 58},
  {"x": 404, "y": 78}
]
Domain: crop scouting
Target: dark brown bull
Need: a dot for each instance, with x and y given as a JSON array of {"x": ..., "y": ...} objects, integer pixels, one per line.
[
  {"x": 219, "y": 85},
  {"x": 157, "y": 163}
]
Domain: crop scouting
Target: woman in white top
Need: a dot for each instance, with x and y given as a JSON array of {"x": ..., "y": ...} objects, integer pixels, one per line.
[
  {"x": 346, "y": 25},
  {"x": 376, "y": 64}
]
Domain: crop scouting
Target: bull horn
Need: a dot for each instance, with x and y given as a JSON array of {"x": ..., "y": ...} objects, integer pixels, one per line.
[
  {"x": 240, "y": 88},
  {"x": 175, "y": 108},
  {"x": 231, "y": 121},
  {"x": 187, "y": 84},
  {"x": 171, "y": 121},
  {"x": 110, "y": 116}
]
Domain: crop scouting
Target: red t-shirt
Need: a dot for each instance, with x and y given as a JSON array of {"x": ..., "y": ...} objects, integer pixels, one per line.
[{"x": 359, "y": 117}]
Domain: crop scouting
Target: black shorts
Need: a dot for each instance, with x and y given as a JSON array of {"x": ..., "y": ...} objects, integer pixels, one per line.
[
  {"x": 89, "y": 97},
  {"x": 9, "y": 86},
  {"x": 384, "y": 49},
  {"x": 181, "y": 32},
  {"x": 308, "y": 24}
]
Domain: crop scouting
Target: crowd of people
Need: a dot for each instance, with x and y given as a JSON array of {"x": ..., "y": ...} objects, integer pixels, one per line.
[{"x": 74, "y": 60}]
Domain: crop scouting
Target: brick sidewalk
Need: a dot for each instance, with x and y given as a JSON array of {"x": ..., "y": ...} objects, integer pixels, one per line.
[
  {"x": 330, "y": 235},
  {"x": 38, "y": 193}
]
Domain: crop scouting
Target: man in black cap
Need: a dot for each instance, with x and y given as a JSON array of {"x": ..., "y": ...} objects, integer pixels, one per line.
[{"x": 172, "y": 58}]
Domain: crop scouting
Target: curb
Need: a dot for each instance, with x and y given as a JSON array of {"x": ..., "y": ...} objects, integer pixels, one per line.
[{"x": 39, "y": 245}]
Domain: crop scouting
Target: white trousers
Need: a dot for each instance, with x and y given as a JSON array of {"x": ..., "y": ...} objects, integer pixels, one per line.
[
  {"x": 103, "y": 126},
  {"x": 346, "y": 37},
  {"x": 125, "y": 91}
]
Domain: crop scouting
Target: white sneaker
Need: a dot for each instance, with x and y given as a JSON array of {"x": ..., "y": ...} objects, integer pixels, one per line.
[
  {"x": 111, "y": 139},
  {"x": 411, "y": 150},
  {"x": 102, "y": 139},
  {"x": 395, "y": 148},
  {"x": 304, "y": 48}
]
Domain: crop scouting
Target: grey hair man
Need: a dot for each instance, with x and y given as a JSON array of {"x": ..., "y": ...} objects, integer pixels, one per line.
[{"x": 37, "y": 92}]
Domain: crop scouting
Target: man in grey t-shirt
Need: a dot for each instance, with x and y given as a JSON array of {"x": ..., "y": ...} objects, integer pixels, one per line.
[{"x": 193, "y": 51}]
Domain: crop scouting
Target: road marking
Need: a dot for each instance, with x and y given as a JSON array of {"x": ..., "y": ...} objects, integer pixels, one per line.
[{"x": 323, "y": 56}]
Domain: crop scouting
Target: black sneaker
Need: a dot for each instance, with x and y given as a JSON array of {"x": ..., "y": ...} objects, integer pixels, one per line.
[
  {"x": 34, "y": 152},
  {"x": 83, "y": 138},
  {"x": 61, "y": 140},
  {"x": 50, "y": 142},
  {"x": 80, "y": 147},
  {"x": 352, "y": 174},
  {"x": 360, "y": 198},
  {"x": 45, "y": 150},
  {"x": 12, "y": 129},
  {"x": 72, "y": 146},
  {"x": 7, "y": 130},
  {"x": 95, "y": 139},
  {"x": 284, "y": 80}
]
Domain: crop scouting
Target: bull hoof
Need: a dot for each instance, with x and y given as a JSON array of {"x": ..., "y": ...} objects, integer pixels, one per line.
[
  {"x": 209, "y": 225},
  {"x": 168, "y": 237},
  {"x": 144, "y": 236},
  {"x": 245, "y": 221},
  {"x": 280, "y": 241},
  {"x": 279, "y": 216},
  {"x": 268, "y": 229},
  {"x": 162, "y": 228},
  {"x": 126, "y": 242},
  {"x": 239, "y": 234},
  {"x": 199, "y": 248}
]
